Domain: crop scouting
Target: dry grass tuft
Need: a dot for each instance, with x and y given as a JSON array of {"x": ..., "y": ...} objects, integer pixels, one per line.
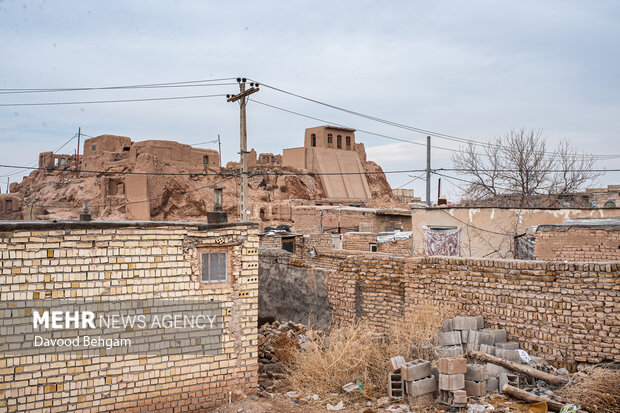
[
  {"x": 597, "y": 390},
  {"x": 359, "y": 352}
]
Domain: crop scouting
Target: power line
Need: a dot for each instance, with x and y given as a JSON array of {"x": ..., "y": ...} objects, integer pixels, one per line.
[
  {"x": 187, "y": 83},
  {"x": 475, "y": 227},
  {"x": 111, "y": 101},
  {"x": 345, "y": 126},
  {"x": 413, "y": 128}
]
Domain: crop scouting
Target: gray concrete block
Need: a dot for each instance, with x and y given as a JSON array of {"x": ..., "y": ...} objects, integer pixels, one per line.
[
  {"x": 476, "y": 388},
  {"x": 415, "y": 370},
  {"x": 487, "y": 349},
  {"x": 450, "y": 338},
  {"x": 509, "y": 345},
  {"x": 480, "y": 320},
  {"x": 493, "y": 370},
  {"x": 421, "y": 400},
  {"x": 465, "y": 323},
  {"x": 493, "y": 384},
  {"x": 420, "y": 387},
  {"x": 476, "y": 372},
  {"x": 508, "y": 378},
  {"x": 499, "y": 334},
  {"x": 486, "y": 338},
  {"x": 447, "y": 325},
  {"x": 510, "y": 355},
  {"x": 396, "y": 388},
  {"x": 450, "y": 351},
  {"x": 451, "y": 381},
  {"x": 464, "y": 334},
  {"x": 396, "y": 363}
]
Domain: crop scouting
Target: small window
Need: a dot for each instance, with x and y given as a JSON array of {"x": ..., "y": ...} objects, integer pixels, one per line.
[
  {"x": 339, "y": 142},
  {"x": 94, "y": 148},
  {"x": 9, "y": 206},
  {"x": 288, "y": 244},
  {"x": 313, "y": 139},
  {"x": 330, "y": 138},
  {"x": 214, "y": 268},
  {"x": 373, "y": 248},
  {"x": 205, "y": 159},
  {"x": 348, "y": 141}
]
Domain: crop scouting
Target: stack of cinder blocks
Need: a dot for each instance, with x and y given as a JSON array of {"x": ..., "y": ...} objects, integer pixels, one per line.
[
  {"x": 452, "y": 381},
  {"x": 396, "y": 388},
  {"x": 497, "y": 376},
  {"x": 476, "y": 380},
  {"x": 420, "y": 384}
]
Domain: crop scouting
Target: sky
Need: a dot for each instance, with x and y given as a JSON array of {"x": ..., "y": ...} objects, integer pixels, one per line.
[{"x": 474, "y": 70}]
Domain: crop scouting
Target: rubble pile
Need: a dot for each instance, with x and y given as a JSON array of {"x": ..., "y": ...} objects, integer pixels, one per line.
[{"x": 277, "y": 342}]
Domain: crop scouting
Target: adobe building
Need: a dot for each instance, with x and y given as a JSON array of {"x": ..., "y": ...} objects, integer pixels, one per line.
[
  {"x": 579, "y": 240},
  {"x": 331, "y": 151},
  {"x": 110, "y": 150},
  {"x": 10, "y": 207}
]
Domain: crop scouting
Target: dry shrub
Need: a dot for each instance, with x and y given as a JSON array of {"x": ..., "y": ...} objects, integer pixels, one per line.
[
  {"x": 598, "y": 390},
  {"x": 359, "y": 351}
]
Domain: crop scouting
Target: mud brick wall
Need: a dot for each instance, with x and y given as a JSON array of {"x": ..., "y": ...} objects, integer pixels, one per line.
[
  {"x": 307, "y": 219},
  {"x": 125, "y": 260},
  {"x": 565, "y": 312},
  {"x": 360, "y": 241},
  {"x": 556, "y": 243}
]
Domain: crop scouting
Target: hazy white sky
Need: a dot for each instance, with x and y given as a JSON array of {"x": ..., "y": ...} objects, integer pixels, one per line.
[{"x": 470, "y": 69}]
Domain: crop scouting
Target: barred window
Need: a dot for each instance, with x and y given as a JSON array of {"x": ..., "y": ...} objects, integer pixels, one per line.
[{"x": 214, "y": 268}]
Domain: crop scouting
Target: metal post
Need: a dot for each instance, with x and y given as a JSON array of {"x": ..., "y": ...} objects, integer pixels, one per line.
[{"x": 428, "y": 171}]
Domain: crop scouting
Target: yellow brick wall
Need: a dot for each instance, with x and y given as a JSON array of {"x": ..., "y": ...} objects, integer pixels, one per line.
[{"x": 130, "y": 261}]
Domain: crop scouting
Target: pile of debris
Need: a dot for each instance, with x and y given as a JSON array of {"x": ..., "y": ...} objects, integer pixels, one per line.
[
  {"x": 277, "y": 343},
  {"x": 453, "y": 380}
]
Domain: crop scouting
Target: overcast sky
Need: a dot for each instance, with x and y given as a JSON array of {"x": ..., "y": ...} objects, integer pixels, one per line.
[{"x": 469, "y": 69}]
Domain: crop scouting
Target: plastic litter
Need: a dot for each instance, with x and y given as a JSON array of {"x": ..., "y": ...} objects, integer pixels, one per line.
[{"x": 339, "y": 406}]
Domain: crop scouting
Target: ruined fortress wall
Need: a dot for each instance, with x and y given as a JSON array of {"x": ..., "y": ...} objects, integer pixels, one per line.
[
  {"x": 565, "y": 312},
  {"x": 128, "y": 261},
  {"x": 578, "y": 244}
]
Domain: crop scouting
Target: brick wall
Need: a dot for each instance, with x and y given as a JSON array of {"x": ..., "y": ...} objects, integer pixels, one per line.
[
  {"x": 307, "y": 219},
  {"x": 124, "y": 261},
  {"x": 557, "y": 243},
  {"x": 565, "y": 312},
  {"x": 361, "y": 241}
]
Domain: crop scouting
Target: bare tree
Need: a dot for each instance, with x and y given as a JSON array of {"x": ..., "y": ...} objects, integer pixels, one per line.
[{"x": 521, "y": 170}]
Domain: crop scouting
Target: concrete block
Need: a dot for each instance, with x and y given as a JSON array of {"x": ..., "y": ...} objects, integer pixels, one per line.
[
  {"x": 493, "y": 370},
  {"x": 450, "y": 351},
  {"x": 509, "y": 345},
  {"x": 510, "y": 355},
  {"x": 465, "y": 323},
  {"x": 456, "y": 398},
  {"x": 492, "y": 385},
  {"x": 435, "y": 372},
  {"x": 486, "y": 338},
  {"x": 452, "y": 365},
  {"x": 451, "y": 381},
  {"x": 421, "y": 400},
  {"x": 486, "y": 349},
  {"x": 480, "y": 320},
  {"x": 464, "y": 334},
  {"x": 447, "y": 325},
  {"x": 450, "y": 338},
  {"x": 476, "y": 372},
  {"x": 507, "y": 378},
  {"x": 499, "y": 334},
  {"x": 415, "y": 370},
  {"x": 420, "y": 387},
  {"x": 396, "y": 388},
  {"x": 395, "y": 363},
  {"x": 476, "y": 388}
]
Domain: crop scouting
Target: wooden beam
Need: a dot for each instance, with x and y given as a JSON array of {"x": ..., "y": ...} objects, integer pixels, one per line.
[
  {"x": 531, "y": 398},
  {"x": 521, "y": 368}
]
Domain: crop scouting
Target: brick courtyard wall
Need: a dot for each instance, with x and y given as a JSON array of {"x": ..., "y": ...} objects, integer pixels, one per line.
[
  {"x": 565, "y": 312},
  {"x": 558, "y": 243},
  {"x": 128, "y": 260}
]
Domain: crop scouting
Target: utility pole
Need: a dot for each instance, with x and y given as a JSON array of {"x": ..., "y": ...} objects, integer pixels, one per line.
[
  {"x": 428, "y": 171},
  {"x": 219, "y": 145},
  {"x": 241, "y": 97},
  {"x": 438, "y": 191},
  {"x": 77, "y": 156}
]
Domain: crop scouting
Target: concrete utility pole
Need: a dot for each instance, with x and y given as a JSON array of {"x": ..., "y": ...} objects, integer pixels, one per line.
[
  {"x": 241, "y": 97},
  {"x": 428, "y": 171}
]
